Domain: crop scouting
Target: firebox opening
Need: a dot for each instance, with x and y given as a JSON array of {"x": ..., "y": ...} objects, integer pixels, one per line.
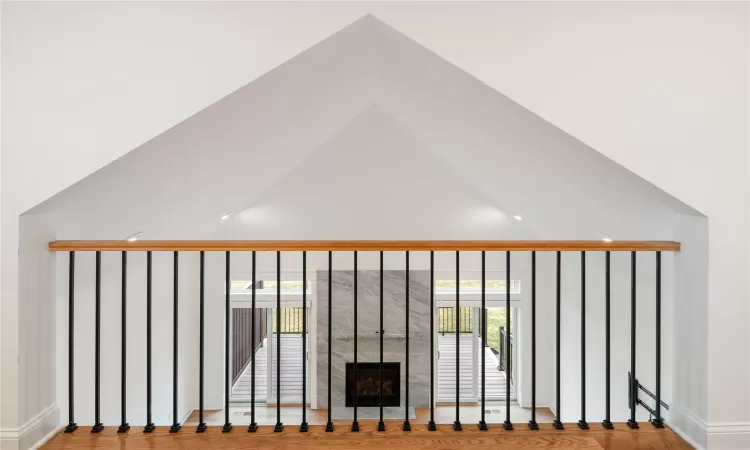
[{"x": 367, "y": 385}]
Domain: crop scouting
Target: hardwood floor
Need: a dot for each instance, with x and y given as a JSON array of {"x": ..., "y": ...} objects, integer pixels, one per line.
[{"x": 622, "y": 438}]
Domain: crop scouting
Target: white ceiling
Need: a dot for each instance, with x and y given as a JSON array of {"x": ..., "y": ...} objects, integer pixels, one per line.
[{"x": 366, "y": 135}]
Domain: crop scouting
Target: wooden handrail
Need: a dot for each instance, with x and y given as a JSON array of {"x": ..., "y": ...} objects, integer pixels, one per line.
[{"x": 65, "y": 246}]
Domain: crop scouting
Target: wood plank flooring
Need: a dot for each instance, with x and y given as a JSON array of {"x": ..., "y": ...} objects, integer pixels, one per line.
[
  {"x": 622, "y": 438},
  {"x": 494, "y": 379},
  {"x": 291, "y": 373},
  {"x": 291, "y": 370}
]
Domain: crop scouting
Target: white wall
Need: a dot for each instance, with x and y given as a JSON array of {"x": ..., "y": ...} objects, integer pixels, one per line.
[
  {"x": 620, "y": 333},
  {"x": 691, "y": 291},
  {"x": 162, "y": 332},
  {"x": 647, "y": 91},
  {"x": 37, "y": 270}
]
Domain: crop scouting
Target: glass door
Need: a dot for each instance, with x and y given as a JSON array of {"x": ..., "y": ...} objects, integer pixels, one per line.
[{"x": 457, "y": 330}]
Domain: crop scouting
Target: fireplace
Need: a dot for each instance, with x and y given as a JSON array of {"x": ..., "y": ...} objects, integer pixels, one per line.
[{"x": 367, "y": 385}]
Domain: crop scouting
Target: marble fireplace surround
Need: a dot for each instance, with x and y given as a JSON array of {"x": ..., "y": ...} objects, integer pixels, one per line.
[{"x": 368, "y": 341}]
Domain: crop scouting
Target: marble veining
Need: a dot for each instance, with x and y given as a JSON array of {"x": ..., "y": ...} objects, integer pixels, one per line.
[{"x": 368, "y": 339}]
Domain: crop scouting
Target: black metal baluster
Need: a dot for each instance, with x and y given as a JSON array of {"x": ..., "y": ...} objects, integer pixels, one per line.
[
  {"x": 482, "y": 423},
  {"x": 431, "y": 425},
  {"x": 582, "y": 423},
  {"x": 227, "y": 315},
  {"x": 606, "y": 423},
  {"x": 657, "y": 421},
  {"x": 508, "y": 425},
  {"x": 557, "y": 423},
  {"x": 149, "y": 425},
  {"x": 253, "y": 427},
  {"x": 329, "y": 423},
  {"x": 279, "y": 426},
  {"x": 124, "y": 426},
  {"x": 457, "y": 422},
  {"x": 407, "y": 425},
  {"x": 303, "y": 426},
  {"x": 633, "y": 380},
  {"x": 355, "y": 423},
  {"x": 532, "y": 423},
  {"x": 175, "y": 291},
  {"x": 97, "y": 351},
  {"x": 98, "y": 427},
  {"x": 381, "y": 424},
  {"x": 72, "y": 426},
  {"x": 201, "y": 424}
]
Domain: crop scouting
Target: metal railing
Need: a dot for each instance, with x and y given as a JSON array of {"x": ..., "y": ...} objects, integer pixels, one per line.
[
  {"x": 448, "y": 321},
  {"x": 290, "y": 320},
  {"x": 460, "y": 322},
  {"x": 242, "y": 348},
  {"x": 505, "y": 353}
]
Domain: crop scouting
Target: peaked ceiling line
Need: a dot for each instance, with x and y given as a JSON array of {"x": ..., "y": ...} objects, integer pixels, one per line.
[{"x": 309, "y": 98}]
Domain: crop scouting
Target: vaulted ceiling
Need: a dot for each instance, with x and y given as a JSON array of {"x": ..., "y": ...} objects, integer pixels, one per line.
[{"x": 366, "y": 135}]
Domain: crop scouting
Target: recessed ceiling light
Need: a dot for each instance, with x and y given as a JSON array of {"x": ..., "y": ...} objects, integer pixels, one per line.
[
  {"x": 134, "y": 237},
  {"x": 226, "y": 216},
  {"x": 605, "y": 238},
  {"x": 517, "y": 217}
]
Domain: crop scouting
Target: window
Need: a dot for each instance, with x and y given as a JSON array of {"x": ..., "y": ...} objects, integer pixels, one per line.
[
  {"x": 238, "y": 285},
  {"x": 476, "y": 285},
  {"x": 267, "y": 285},
  {"x": 285, "y": 285}
]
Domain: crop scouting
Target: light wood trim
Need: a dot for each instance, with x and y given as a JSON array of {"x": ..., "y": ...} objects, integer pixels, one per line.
[{"x": 64, "y": 246}]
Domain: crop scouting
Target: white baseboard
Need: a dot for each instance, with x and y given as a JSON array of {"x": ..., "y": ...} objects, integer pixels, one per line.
[
  {"x": 35, "y": 432},
  {"x": 729, "y": 436},
  {"x": 187, "y": 416},
  {"x": 680, "y": 432},
  {"x": 688, "y": 426},
  {"x": 49, "y": 436}
]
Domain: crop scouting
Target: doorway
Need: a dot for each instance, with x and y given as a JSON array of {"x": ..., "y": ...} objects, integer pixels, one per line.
[
  {"x": 496, "y": 350},
  {"x": 292, "y": 356}
]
